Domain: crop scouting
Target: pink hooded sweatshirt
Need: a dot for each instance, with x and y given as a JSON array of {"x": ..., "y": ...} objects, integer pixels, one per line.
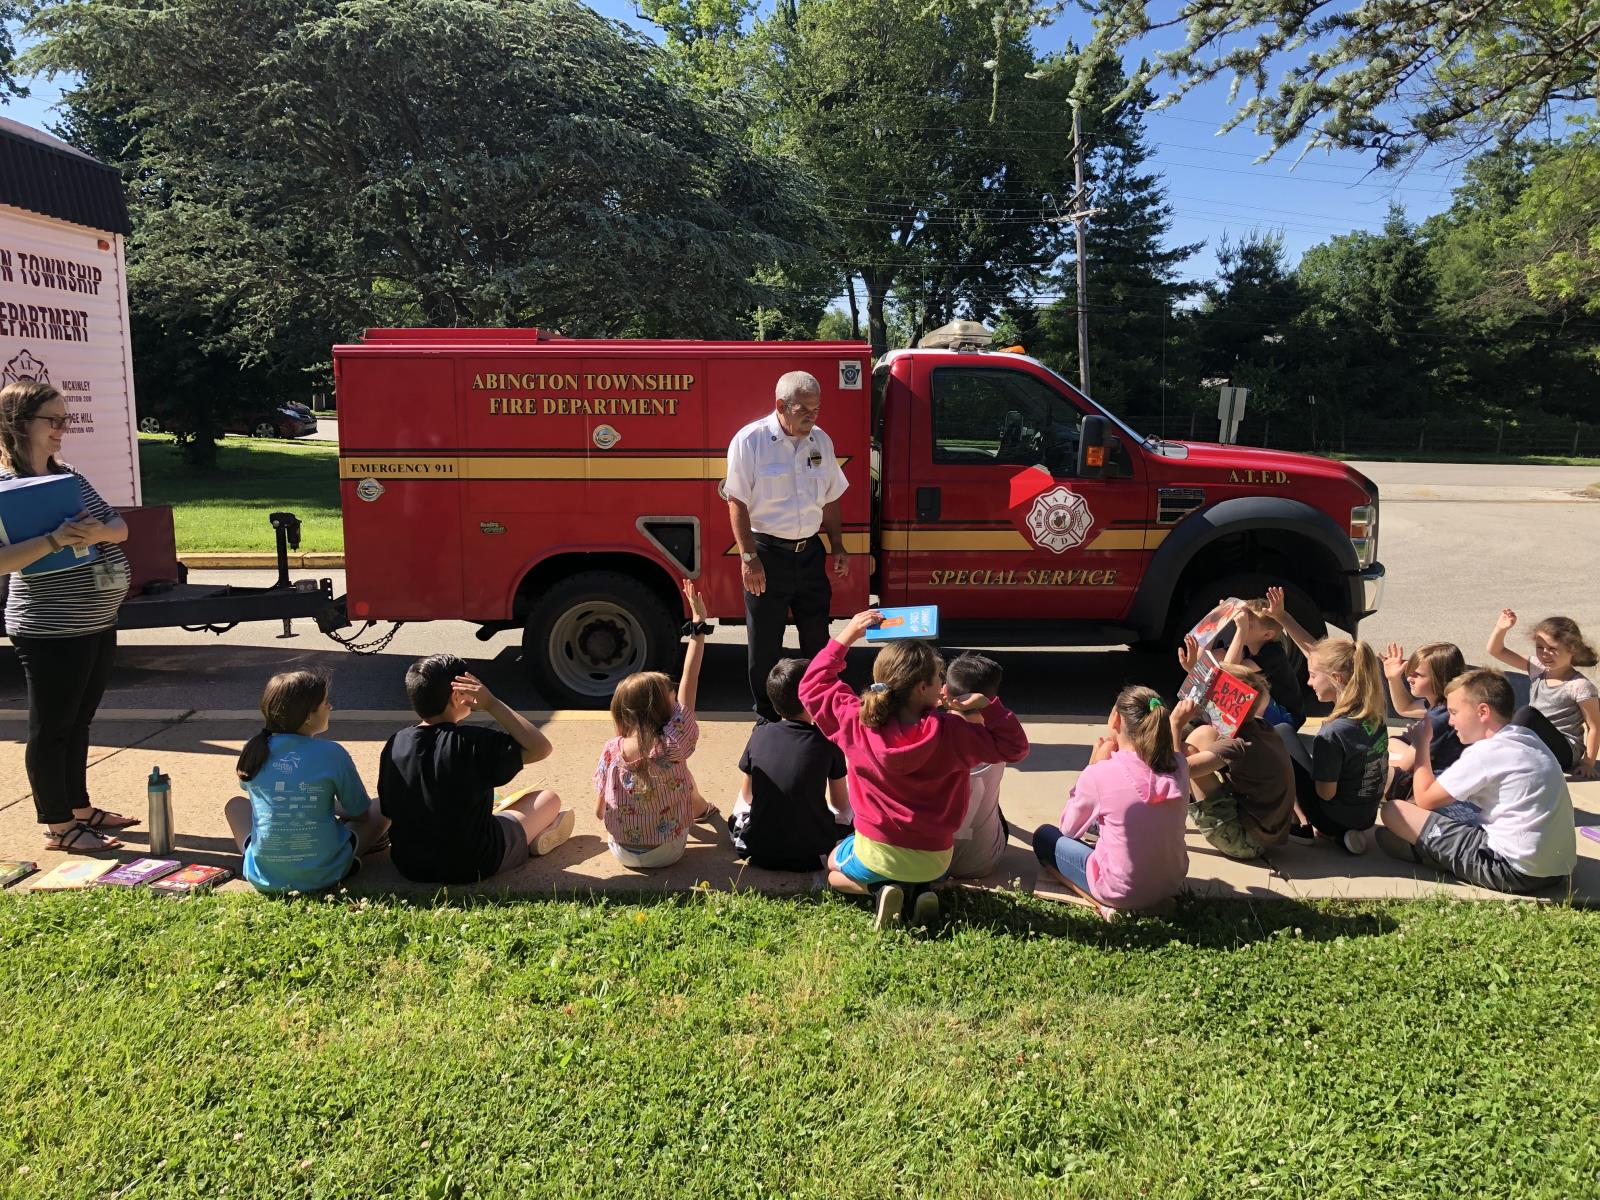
[
  {"x": 908, "y": 783},
  {"x": 1140, "y": 858}
]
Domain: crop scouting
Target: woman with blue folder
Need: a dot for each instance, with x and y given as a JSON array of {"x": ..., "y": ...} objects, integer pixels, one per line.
[{"x": 66, "y": 586}]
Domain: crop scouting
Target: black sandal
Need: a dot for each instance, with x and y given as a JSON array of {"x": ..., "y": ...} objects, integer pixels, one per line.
[
  {"x": 70, "y": 841},
  {"x": 99, "y": 818}
]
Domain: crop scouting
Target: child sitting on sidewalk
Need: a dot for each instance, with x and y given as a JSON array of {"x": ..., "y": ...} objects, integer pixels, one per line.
[
  {"x": 908, "y": 764},
  {"x": 793, "y": 792},
  {"x": 1340, "y": 782},
  {"x": 1567, "y": 700},
  {"x": 1134, "y": 789},
  {"x": 436, "y": 782},
  {"x": 1416, "y": 689},
  {"x": 1242, "y": 786},
  {"x": 644, "y": 792},
  {"x": 1257, "y": 641},
  {"x": 981, "y": 840},
  {"x": 1525, "y": 840},
  {"x": 308, "y": 817}
]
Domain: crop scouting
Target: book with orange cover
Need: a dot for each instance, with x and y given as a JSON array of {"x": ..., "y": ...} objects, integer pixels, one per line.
[{"x": 192, "y": 878}]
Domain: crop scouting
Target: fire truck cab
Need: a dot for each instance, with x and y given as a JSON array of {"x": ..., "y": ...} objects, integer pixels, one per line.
[{"x": 519, "y": 479}]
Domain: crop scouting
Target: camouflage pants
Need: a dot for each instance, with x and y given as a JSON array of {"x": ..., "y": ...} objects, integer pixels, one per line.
[{"x": 1217, "y": 819}]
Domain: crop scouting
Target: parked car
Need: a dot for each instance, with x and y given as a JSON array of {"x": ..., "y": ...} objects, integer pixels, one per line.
[{"x": 289, "y": 419}]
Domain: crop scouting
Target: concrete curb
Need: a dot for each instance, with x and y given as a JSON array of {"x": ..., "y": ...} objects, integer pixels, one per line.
[{"x": 225, "y": 561}]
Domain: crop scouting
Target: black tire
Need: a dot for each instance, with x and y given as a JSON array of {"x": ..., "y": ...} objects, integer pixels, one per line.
[
  {"x": 590, "y": 631},
  {"x": 264, "y": 429},
  {"x": 150, "y": 425},
  {"x": 1244, "y": 586}
]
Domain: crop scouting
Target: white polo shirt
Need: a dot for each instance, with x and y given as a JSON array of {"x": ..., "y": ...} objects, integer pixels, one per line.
[{"x": 783, "y": 481}]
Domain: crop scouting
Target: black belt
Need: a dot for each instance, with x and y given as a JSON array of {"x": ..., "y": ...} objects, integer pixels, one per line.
[{"x": 778, "y": 543}]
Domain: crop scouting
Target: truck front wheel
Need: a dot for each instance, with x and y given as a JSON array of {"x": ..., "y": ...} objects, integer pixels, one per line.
[
  {"x": 591, "y": 631},
  {"x": 1246, "y": 586}
]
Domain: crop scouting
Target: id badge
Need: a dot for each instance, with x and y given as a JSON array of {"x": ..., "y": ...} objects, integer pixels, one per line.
[{"x": 107, "y": 576}]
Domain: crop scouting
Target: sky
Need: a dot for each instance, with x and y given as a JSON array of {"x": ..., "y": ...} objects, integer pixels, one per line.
[{"x": 1214, "y": 186}]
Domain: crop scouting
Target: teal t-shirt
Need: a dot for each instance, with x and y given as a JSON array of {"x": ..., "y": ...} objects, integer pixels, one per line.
[{"x": 296, "y": 844}]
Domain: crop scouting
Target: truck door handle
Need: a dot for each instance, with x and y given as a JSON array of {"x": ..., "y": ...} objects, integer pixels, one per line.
[{"x": 928, "y": 504}]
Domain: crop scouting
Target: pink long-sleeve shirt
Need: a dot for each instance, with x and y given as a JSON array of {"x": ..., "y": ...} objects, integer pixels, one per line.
[
  {"x": 908, "y": 783},
  {"x": 1140, "y": 859}
]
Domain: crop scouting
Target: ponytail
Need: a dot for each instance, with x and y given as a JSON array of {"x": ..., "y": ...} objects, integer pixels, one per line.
[
  {"x": 287, "y": 703},
  {"x": 898, "y": 668},
  {"x": 1147, "y": 723},
  {"x": 1361, "y": 696}
]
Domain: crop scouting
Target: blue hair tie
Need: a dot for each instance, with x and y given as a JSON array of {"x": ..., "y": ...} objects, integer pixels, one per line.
[{"x": 878, "y": 687}]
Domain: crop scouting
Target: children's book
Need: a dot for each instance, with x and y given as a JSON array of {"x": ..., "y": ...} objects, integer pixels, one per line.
[
  {"x": 1592, "y": 832},
  {"x": 14, "y": 869},
  {"x": 140, "y": 870},
  {"x": 1226, "y": 701},
  {"x": 73, "y": 873},
  {"x": 1210, "y": 625},
  {"x": 917, "y": 621},
  {"x": 193, "y": 878}
]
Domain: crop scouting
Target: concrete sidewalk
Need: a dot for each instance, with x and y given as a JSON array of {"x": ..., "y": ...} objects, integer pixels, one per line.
[{"x": 198, "y": 752}]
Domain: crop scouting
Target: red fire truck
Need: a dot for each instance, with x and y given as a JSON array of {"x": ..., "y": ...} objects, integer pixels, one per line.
[{"x": 560, "y": 486}]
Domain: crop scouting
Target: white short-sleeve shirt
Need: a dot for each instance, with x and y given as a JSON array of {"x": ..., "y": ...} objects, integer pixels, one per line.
[
  {"x": 783, "y": 481},
  {"x": 1527, "y": 810}
]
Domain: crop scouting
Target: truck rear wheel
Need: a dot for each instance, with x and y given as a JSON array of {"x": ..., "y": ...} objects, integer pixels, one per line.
[{"x": 591, "y": 631}]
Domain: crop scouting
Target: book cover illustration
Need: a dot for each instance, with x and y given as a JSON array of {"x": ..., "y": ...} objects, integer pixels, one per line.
[
  {"x": 13, "y": 869},
  {"x": 74, "y": 873},
  {"x": 192, "y": 878},
  {"x": 1224, "y": 700},
  {"x": 36, "y": 505},
  {"x": 140, "y": 870},
  {"x": 1210, "y": 625},
  {"x": 915, "y": 621}
]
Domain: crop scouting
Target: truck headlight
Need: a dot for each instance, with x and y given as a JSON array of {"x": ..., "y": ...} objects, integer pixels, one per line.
[{"x": 1364, "y": 533}]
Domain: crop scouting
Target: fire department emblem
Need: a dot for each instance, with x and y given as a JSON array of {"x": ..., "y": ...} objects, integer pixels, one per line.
[
  {"x": 25, "y": 368},
  {"x": 1060, "y": 519},
  {"x": 369, "y": 490},
  {"x": 606, "y": 437}
]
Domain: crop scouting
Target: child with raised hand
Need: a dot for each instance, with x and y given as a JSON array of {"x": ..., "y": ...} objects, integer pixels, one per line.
[
  {"x": 1258, "y": 641},
  {"x": 908, "y": 763},
  {"x": 306, "y": 815},
  {"x": 644, "y": 792},
  {"x": 981, "y": 840},
  {"x": 1134, "y": 789},
  {"x": 1416, "y": 689},
  {"x": 1243, "y": 785},
  {"x": 1341, "y": 781},
  {"x": 1556, "y": 690}
]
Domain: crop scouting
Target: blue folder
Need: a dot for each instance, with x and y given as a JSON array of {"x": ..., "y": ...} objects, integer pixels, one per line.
[
  {"x": 37, "y": 504},
  {"x": 915, "y": 621}
]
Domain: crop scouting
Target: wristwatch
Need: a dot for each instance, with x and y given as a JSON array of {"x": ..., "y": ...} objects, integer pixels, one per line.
[{"x": 747, "y": 556}]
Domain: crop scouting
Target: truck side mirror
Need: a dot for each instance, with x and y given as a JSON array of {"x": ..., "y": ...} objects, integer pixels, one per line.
[{"x": 1094, "y": 456}]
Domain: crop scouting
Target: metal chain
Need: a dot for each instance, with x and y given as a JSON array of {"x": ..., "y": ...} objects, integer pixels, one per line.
[{"x": 373, "y": 647}]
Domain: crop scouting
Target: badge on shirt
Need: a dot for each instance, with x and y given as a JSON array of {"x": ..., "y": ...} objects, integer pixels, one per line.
[{"x": 108, "y": 576}]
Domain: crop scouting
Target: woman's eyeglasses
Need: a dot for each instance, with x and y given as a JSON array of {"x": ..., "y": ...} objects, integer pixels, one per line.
[{"x": 55, "y": 422}]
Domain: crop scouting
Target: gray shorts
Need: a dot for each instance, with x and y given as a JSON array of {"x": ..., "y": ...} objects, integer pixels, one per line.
[
  {"x": 1462, "y": 850},
  {"x": 516, "y": 844}
]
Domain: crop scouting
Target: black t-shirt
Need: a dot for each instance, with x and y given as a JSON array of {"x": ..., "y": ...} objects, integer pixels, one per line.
[
  {"x": 1444, "y": 747},
  {"x": 1282, "y": 674},
  {"x": 1355, "y": 755},
  {"x": 790, "y": 764},
  {"x": 436, "y": 785}
]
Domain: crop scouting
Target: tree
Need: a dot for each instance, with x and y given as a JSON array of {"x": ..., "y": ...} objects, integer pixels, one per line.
[
  {"x": 1243, "y": 331},
  {"x": 940, "y": 190},
  {"x": 1390, "y": 76},
  {"x": 304, "y": 168},
  {"x": 10, "y": 17},
  {"x": 1371, "y": 308},
  {"x": 1133, "y": 284}
]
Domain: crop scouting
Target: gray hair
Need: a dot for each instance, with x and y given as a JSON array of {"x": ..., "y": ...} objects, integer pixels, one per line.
[{"x": 796, "y": 384}]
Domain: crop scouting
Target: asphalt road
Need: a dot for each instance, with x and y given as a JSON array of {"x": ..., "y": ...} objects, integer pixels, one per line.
[{"x": 1459, "y": 542}]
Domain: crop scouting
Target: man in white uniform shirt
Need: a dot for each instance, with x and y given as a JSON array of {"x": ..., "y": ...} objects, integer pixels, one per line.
[{"x": 783, "y": 484}]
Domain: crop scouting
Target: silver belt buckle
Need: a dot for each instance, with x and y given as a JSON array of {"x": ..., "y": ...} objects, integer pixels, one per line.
[{"x": 799, "y": 547}]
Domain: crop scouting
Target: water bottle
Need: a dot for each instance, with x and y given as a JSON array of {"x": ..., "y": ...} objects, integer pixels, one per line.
[{"x": 159, "y": 792}]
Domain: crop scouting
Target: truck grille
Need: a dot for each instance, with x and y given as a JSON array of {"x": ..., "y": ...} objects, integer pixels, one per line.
[{"x": 1174, "y": 504}]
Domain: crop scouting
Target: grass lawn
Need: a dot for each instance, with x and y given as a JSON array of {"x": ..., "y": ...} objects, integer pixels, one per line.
[
  {"x": 226, "y": 508},
  {"x": 732, "y": 1046}
]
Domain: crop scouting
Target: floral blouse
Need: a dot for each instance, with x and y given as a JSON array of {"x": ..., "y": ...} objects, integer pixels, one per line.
[{"x": 650, "y": 801}]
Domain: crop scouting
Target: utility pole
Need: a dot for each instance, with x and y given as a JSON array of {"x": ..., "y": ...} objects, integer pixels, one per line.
[{"x": 1079, "y": 218}]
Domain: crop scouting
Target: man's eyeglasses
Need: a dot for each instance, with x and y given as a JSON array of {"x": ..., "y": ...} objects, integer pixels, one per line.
[
  {"x": 805, "y": 410},
  {"x": 55, "y": 422}
]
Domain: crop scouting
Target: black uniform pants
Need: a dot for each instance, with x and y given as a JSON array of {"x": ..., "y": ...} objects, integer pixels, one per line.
[
  {"x": 798, "y": 584},
  {"x": 66, "y": 678}
]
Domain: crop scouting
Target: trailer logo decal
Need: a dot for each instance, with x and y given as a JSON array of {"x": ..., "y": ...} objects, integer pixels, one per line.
[
  {"x": 369, "y": 490},
  {"x": 1060, "y": 519},
  {"x": 606, "y": 437},
  {"x": 25, "y": 368},
  {"x": 850, "y": 374}
]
